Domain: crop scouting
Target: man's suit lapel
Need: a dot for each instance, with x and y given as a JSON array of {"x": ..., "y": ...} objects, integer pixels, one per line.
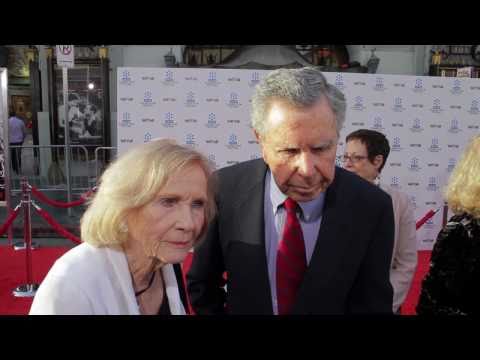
[
  {"x": 249, "y": 220},
  {"x": 331, "y": 245}
]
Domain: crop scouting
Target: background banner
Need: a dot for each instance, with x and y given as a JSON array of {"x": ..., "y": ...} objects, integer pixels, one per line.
[{"x": 428, "y": 121}]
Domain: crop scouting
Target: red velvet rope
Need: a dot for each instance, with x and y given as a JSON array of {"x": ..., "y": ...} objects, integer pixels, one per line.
[
  {"x": 57, "y": 227},
  {"x": 424, "y": 219},
  {"x": 60, "y": 204},
  {"x": 9, "y": 221}
]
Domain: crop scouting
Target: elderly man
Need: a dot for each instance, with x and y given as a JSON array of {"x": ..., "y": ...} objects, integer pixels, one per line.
[{"x": 294, "y": 233}]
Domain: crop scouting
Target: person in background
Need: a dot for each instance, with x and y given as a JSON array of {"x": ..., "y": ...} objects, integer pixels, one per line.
[
  {"x": 17, "y": 134},
  {"x": 294, "y": 233},
  {"x": 451, "y": 286},
  {"x": 152, "y": 205},
  {"x": 366, "y": 153}
]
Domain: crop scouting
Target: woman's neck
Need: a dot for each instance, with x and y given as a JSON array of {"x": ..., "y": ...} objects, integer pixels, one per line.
[{"x": 140, "y": 265}]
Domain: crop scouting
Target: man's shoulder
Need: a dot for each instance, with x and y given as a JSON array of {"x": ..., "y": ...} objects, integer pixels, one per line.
[
  {"x": 242, "y": 169},
  {"x": 351, "y": 183}
]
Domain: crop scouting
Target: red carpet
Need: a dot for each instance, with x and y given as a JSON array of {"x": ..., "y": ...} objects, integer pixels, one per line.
[{"x": 13, "y": 273}]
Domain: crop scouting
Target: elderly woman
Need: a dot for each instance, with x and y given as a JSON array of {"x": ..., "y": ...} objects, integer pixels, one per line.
[
  {"x": 452, "y": 285},
  {"x": 152, "y": 205}
]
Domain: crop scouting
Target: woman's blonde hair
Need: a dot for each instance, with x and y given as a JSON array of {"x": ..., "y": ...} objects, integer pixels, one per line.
[
  {"x": 463, "y": 189},
  {"x": 132, "y": 181}
]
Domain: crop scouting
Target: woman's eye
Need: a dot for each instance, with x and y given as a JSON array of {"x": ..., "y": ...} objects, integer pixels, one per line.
[{"x": 168, "y": 202}]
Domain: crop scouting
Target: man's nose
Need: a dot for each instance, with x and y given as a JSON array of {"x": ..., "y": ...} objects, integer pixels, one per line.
[{"x": 306, "y": 165}]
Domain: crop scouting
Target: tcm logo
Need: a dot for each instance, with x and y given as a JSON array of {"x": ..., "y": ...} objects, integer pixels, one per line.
[
  {"x": 169, "y": 120},
  {"x": 398, "y": 104},
  {"x": 338, "y": 161},
  {"x": 395, "y": 182},
  {"x": 126, "y": 120},
  {"x": 429, "y": 224},
  {"x": 168, "y": 78},
  {"x": 454, "y": 127},
  {"x": 339, "y": 83},
  {"x": 413, "y": 201},
  {"x": 432, "y": 184},
  {"x": 436, "y": 108},
  {"x": 126, "y": 78},
  {"x": 147, "y": 99},
  {"x": 212, "y": 160},
  {"x": 233, "y": 142},
  {"x": 457, "y": 87},
  {"x": 474, "y": 110},
  {"x": 416, "y": 126},
  {"x": 147, "y": 137},
  {"x": 254, "y": 156},
  {"x": 451, "y": 165},
  {"x": 378, "y": 124},
  {"x": 358, "y": 104},
  {"x": 414, "y": 164},
  {"x": 233, "y": 101},
  {"x": 418, "y": 87},
  {"x": 212, "y": 121},
  {"x": 396, "y": 144},
  {"x": 190, "y": 140},
  {"x": 212, "y": 79},
  {"x": 434, "y": 147},
  {"x": 254, "y": 79},
  {"x": 379, "y": 85},
  {"x": 191, "y": 102}
]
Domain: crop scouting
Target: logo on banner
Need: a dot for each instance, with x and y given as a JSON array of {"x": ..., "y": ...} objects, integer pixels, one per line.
[
  {"x": 414, "y": 164},
  {"x": 429, "y": 224},
  {"x": 190, "y": 140},
  {"x": 395, "y": 182},
  {"x": 126, "y": 140},
  {"x": 254, "y": 156},
  {"x": 378, "y": 124},
  {"x": 339, "y": 83},
  {"x": 398, "y": 104},
  {"x": 212, "y": 121},
  {"x": 126, "y": 78},
  {"x": 212, "y": 160},
  {"x": 413, "y": 201},
  {"x": 432, "y": 184},
  {"x": 212, "y": 79},
  {"x": 126, "y": 120},
  {"x": 418, "y": 87},
  {"x": 474, "y": 110},
  {"x": 451, "y": 165},
  {"x": 436, "y": 108},
  {"x": 169, "y": 120},
  {"x": 434, "y": 147},
  {"x": 454, "y": 129},
  {"x": 233, "y": 102},
  {"x": 254, "y": 79},
  {"x": 457, "y": 87},
  {"x": 416, "y": 126},
  {"x": 358, "y": 104},
  {"x": 147, "y": 137},
  {"x": 379, "y": 85},
  {"x": 233, "y": 142},
  {"x": 396, "y": 144},
  {"x": 168, "y": 78},
  {"x": 147, "y": 99},
  {"x": 338, "y": 161},
  {"x": 191, "y": 102}
]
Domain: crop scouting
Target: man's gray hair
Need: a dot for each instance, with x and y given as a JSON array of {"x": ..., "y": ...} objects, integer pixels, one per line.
[{"x": 299, "y": 87}]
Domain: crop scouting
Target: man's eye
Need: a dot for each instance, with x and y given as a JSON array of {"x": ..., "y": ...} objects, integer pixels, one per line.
[
  {"x": 289, "y": 151},
  {"x": 198, "y": 204}
]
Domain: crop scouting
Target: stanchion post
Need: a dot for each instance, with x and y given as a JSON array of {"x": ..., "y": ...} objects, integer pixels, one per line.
[
  {"x": 29, "y": 289},
  {"x": 25, "y": 201}
]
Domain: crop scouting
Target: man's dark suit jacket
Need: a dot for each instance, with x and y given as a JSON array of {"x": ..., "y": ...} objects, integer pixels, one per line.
[{"x": 349, "y": 269}]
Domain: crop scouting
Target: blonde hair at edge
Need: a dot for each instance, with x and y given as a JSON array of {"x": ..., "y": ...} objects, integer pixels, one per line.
[
  {"x": 463, "y": 189},
  {"x": 133, "y": 180}
]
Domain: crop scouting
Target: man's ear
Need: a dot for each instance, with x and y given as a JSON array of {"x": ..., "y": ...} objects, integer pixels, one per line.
[
  {"x": 257, "y": 136},
  {"x": 378, "y": 161}
]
